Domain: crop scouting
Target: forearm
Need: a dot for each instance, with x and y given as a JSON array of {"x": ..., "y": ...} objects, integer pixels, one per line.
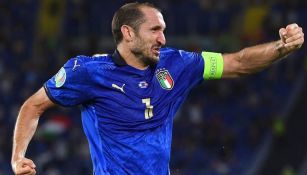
[
  {"x": 256, "y": 58},
  {"x": 253, "y": 59},
  {"x": 25, "y": 128},
  {"x": 27, "y": 122}
]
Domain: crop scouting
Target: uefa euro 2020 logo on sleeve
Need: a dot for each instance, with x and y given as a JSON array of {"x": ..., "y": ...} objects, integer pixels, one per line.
[
  {"x": 60, "y": 78},
  {"x": 165, "y": 79}
]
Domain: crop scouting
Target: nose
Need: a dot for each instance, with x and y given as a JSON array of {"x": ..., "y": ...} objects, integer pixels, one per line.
[{"x": 161, "y": 38}]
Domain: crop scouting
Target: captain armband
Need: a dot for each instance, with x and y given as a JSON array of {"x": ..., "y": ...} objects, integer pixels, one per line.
[{"x": 214, "y": 63}]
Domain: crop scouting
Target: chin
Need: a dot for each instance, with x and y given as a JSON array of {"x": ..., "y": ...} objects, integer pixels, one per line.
[
  {"x": 156, "y": 58},
  {"x": 152, "y": 61}
]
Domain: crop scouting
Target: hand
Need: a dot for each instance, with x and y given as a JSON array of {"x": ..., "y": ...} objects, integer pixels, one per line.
[
  {"x": 24, "y": 166},
  {"x": 292, "y": 37}
]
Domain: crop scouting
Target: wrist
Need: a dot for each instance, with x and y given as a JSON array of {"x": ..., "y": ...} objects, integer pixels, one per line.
[
  {"x": 14, "y": 161},
  {"x": 280, "y": 49},
  {"x": 16, "y": 158}
]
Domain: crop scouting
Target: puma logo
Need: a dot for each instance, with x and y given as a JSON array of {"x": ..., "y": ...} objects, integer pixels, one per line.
[
  {"x": 119, "y": 88},
  {"x": 75, "y": 65}
]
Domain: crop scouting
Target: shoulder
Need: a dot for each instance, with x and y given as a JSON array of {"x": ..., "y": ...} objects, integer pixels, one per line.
[
  {"x": 169, "y": 54},
  {"x": 91, "y": 62},
  {"x": 95, "y": 59},
  {"x": 168, "y": 51},
  {"x": 176, "y": 54}
]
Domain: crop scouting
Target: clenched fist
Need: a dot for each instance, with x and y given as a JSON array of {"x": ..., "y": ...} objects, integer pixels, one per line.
[
  {"x": 24, "y": 166},
  {"x": 292, "y": 37}
]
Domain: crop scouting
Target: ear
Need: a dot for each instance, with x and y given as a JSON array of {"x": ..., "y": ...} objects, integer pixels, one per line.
[{"x": 128, "y": 33}]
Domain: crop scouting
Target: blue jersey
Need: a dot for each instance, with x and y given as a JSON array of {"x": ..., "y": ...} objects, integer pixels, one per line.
[{"x": 127, "y": 113}]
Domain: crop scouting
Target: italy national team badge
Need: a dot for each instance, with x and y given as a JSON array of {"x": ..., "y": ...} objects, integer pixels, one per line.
[
  {"x": 60, "y": 78},
  {"x": 165, "y": 79}
]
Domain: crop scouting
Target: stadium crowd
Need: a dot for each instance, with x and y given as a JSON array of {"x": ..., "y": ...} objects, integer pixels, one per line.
[{"x": 222, "y": 124}]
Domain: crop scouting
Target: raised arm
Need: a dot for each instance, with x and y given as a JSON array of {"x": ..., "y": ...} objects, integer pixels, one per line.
[
  {"x": 255, "y": 58},
  {"x": 25, "y": 128}
]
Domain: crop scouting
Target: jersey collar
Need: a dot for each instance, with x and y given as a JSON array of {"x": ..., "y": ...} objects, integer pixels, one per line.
[{"x": 118, "y": 59}]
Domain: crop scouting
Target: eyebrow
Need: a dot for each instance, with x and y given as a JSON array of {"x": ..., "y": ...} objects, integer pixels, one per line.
[{"x": 157, "y": 27}]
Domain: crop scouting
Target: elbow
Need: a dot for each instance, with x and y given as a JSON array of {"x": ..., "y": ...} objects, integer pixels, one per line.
[
  {"x": 235, "y": 65},
  {"x": 244, "y": 65},
  {"x": 241, "y": 64},
  {"x": 239, "y": 74}
]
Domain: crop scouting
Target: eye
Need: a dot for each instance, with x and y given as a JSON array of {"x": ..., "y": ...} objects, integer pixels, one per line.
[{"x": 156, "y": 28}]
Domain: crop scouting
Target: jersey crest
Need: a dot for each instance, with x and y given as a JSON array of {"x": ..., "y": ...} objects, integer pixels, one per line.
[{"x": 165, "y": 79}]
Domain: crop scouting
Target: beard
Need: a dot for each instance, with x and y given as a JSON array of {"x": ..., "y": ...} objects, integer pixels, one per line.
[
  {"x": 142, "y": 51},
  {"x": 145, "y": 57}
]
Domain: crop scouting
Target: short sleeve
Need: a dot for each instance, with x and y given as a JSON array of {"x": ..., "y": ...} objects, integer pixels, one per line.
[
  {"x": 71, "y": 85},
  {"x": 193, "y": 66}
]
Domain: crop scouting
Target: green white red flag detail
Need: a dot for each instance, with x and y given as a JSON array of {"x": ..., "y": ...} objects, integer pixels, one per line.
[{"x": 165, "y": 79}]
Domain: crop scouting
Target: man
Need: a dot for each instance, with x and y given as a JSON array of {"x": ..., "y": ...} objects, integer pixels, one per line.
[{"x": 129, "y": 98}]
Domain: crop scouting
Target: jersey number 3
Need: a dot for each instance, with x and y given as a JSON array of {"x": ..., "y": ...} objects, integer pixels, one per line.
[{"x": 149, "y": 108}]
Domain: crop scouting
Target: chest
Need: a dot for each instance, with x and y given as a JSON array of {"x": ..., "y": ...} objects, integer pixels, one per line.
[{"x": 137, "y": 97}]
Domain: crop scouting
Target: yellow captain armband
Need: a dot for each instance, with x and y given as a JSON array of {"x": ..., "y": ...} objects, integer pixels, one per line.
[{"x": 214, "y": 64}]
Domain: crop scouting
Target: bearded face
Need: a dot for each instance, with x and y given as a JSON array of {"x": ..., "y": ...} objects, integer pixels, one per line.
[{"x": 149, "y": 37}]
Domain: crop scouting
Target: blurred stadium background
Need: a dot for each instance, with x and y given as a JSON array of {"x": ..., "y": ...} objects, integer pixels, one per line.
[{"x": 254, "y": 125}]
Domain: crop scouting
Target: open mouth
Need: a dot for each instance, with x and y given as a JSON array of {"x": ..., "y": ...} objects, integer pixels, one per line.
[{"x": 156, "y": 50}]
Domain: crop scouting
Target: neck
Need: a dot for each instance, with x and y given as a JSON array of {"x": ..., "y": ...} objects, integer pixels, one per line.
[{"x": 130, "y": 58}]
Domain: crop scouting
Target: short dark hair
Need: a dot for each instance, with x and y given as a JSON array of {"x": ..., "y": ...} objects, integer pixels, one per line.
[{"x": 129, "y": 14}]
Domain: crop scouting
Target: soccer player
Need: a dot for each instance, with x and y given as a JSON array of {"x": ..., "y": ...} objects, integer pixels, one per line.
[{"x": 128, "y": 99}]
